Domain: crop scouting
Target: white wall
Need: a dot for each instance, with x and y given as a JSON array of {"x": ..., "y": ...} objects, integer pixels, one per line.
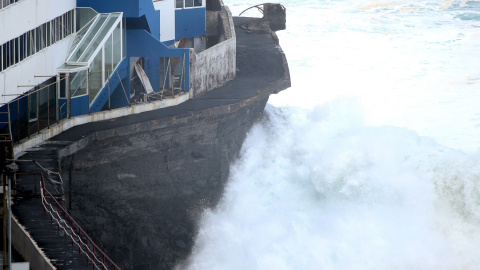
[
  {"x": 26, "y": 15},
  {"x": 43, "y": 63},
  {"x": 167, "y": 19}
]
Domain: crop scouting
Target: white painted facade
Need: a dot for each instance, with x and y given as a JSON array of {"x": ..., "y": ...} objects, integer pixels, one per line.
[
  {"x": 21, "y": 17},
  {"x": 167, "y": 19},
  {"x": 43, "y": 63},
  {"x": 26, "y": 15}
]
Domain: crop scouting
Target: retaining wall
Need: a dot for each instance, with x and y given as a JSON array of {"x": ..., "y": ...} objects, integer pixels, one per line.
[{"x": 217, "y": 65}]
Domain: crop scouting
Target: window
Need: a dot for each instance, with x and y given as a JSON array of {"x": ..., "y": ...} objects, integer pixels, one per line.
[
  {"x": 4, "y": 3},
  {"x": 179, "y": 4},
  {"x": 33, "y": 41}
]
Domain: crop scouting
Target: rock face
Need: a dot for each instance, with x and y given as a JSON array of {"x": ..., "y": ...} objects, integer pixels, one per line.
[
  {"x": 140, "y": 194},
  {"x": 139, "y": 187}
]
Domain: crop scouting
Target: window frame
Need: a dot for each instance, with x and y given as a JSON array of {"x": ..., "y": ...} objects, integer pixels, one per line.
[{"x": 202, "y": 4}]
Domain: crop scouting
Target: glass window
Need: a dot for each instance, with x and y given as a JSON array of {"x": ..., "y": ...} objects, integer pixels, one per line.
[
  {"x": 84, "y": 16},
  {"x": 96, "y": 79},
  {"x": 15, "y": 51},
  {"x": 63, "y": 86},
  {"x": 179, "y": 4},
  {"x": 99, "y": 37},
  {"x": 198, "y": 3},
  {"x": 117, "y": 46},
  {"x": 1, "y": 57},
  {"x": 78, "y": 83},
  {"x": 188, "y": 3},
  {"x": 88, "y": 38},
  {"x": 32, "y": 106},
  {"x": 108, "y": 57},
  {"x": 12, "y": 52},
  {"x": 21, "y": 47},
  {"x": 39, "y": 38},
  {"x": 5, "y": 55}
]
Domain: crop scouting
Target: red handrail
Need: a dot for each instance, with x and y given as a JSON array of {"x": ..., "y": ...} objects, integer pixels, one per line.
[{"x": 85, "y": 244}]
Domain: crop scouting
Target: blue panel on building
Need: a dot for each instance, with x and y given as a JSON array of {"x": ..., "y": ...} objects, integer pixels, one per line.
[
  {"x": 130, "y": 9},
  {"x": 79, "y": 106},
  {"x": 189, "y": 22},
  {"x": 114, "y": 81},
  {"x": 142, "y": 44}
]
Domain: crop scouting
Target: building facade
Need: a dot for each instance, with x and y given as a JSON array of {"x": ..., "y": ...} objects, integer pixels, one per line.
[{"x": 64, "y": 58}]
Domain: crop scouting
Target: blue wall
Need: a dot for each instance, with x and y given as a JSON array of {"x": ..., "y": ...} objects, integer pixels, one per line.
[
  {"x": 130, "y": 9},
  {"x": 142, "y": 44},
  {"x": 79, "y": 105},
  {"x": 189, "y": 22},
  {"x": 102, "y": 99}
]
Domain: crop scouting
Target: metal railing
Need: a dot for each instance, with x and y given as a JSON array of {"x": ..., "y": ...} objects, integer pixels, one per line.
[
  {"x": 31, "y": 112},
  {"x": 72, "y": 230}
]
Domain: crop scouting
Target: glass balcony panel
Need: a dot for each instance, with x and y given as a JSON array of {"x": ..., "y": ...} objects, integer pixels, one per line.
[
  {"x": 178, "y": 3},
  {"x": 84, "y": 17},
  {"x": 96, "y": 79},
  {"x": 78, "y": 83},
  {"x": 99, "y": 37},
  {"x": 117, "y": 46},
  {"x": 108, "y": 57},
  {"x": 88, "y": 38}
]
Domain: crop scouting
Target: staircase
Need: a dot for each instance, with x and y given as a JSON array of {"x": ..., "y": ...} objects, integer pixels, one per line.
[{"x": 39, "y": 207}]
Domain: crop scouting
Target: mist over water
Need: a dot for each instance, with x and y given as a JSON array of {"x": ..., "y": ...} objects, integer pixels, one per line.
[{"x": 370, "y": 160}]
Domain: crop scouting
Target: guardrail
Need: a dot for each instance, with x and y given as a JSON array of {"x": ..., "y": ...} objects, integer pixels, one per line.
[{"x": 72, "y": 230}]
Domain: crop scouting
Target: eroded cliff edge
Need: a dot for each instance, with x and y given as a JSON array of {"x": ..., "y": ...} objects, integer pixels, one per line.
[{"x": 138, "y": 184}]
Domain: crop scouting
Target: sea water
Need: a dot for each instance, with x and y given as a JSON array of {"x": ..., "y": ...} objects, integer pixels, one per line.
[{"x": 371, "y": 159}]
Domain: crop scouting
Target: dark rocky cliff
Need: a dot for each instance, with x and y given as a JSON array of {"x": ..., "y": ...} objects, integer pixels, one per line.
[{"x": 139, "y": 186}]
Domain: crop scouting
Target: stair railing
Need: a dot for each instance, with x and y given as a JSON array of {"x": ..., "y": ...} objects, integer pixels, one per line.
[{"x": 77, "y": 235}]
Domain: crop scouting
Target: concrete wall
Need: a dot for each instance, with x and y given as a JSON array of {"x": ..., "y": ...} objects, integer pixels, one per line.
[
  {"x": 217, "y": 65},
  {"x": 28, "y": 14},
  {"x": 24, "y": 244}
]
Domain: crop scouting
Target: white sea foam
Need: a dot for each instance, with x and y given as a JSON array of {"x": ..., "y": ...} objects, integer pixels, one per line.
[
  {"x": 377, "y": 165},
  {"x": 320, "y": 190}
]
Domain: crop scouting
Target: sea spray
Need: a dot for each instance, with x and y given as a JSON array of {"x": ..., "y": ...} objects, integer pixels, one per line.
[{"x": 318, "y": 189}]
